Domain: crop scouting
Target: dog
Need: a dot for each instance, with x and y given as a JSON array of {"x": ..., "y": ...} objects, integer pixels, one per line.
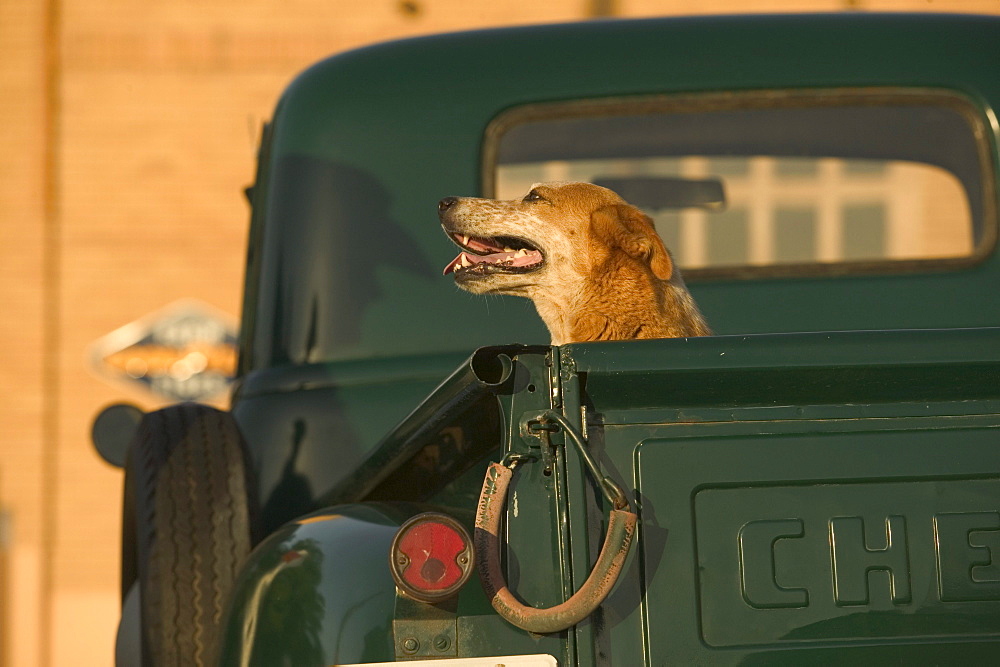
[{"x": 593, "y": 264}]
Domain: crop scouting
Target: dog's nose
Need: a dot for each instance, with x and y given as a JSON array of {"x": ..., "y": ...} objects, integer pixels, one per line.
[{"x": 446, "y": 203}]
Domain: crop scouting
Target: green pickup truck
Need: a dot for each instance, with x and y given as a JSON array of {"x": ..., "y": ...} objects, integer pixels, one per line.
[{"x": 819, "y": 482}]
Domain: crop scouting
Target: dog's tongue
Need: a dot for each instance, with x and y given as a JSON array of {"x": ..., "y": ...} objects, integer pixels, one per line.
[{"x": 454, "y": 265}]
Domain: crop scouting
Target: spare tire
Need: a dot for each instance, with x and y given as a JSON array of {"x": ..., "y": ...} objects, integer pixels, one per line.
[{"x": 188, "y": 526}]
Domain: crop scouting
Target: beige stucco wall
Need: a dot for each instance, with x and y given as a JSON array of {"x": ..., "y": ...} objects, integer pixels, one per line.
[{"x": 129, "y": 130}]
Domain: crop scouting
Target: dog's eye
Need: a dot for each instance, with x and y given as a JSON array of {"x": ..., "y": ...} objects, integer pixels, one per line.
[{"x": 533, "y": 196}]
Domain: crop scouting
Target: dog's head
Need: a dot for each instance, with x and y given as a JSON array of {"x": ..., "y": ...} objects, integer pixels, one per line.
[{"x": 555, "y": 236}]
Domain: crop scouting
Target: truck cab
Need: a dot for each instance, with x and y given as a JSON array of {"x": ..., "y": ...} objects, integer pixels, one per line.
[{"x": 817, "y": 482}]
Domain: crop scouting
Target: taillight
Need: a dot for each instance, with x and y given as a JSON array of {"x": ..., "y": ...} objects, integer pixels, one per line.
[{"x": 431, "y": 557}]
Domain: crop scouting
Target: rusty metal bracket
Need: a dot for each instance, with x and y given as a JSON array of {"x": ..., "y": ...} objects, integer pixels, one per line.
[
  {"x": 422, "y": 630},
  {"x": 544, "y": 423}
]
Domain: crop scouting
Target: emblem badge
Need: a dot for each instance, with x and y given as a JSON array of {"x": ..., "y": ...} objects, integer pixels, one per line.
[{"x": 185, "y": 352}]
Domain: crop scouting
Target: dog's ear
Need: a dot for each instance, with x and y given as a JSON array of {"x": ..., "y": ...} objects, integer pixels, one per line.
[{"x": 626, "y": 227}]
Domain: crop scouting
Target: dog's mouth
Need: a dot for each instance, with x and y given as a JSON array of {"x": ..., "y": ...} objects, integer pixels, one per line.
[{"x": 499, "y": 254}]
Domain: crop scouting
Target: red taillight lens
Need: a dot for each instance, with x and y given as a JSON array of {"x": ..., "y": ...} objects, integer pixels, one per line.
[{"x": 431, "y": 557}]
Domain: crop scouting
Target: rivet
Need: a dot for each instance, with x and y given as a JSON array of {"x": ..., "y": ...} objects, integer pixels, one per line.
[{"x": 410, "y": 645}]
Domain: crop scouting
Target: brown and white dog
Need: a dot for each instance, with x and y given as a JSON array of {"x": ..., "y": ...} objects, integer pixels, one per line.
[{"x": 592, "y": 263}]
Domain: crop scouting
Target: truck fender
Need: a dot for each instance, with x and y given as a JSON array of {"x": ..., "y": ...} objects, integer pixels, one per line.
[{"x": 317, "y": 591}]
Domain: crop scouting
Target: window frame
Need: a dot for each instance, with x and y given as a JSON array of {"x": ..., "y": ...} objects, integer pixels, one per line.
[{"x": 979, "y": 128}]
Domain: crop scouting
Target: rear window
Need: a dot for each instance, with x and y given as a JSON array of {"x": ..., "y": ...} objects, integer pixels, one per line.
[{"x": 836, "y": 181}]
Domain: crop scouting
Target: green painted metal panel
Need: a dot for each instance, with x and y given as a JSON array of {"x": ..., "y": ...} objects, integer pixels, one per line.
[
  {"x": 294, "y": 605},
  {"x": 812, "y": 540},
  {"x": 365, "y": 143},
  {"x": 765, "y": 501},
  {"x": 858, "y": 367},
  {"x": 310, "y": 427}
]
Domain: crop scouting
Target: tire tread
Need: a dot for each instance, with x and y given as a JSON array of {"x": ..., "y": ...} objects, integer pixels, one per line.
[{"x": 194, "y": 516}]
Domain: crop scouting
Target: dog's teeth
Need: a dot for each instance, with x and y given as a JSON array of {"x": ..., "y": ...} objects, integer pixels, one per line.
[
  {"x": 465, "y": 260},
  {"x": 508, "y": 249},
  {"x": 465, "y": 240},
  {"x": 521, "y": 253}
]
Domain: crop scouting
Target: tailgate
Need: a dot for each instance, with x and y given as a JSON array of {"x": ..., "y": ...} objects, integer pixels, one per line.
[{"x": 802, "y": 497}]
